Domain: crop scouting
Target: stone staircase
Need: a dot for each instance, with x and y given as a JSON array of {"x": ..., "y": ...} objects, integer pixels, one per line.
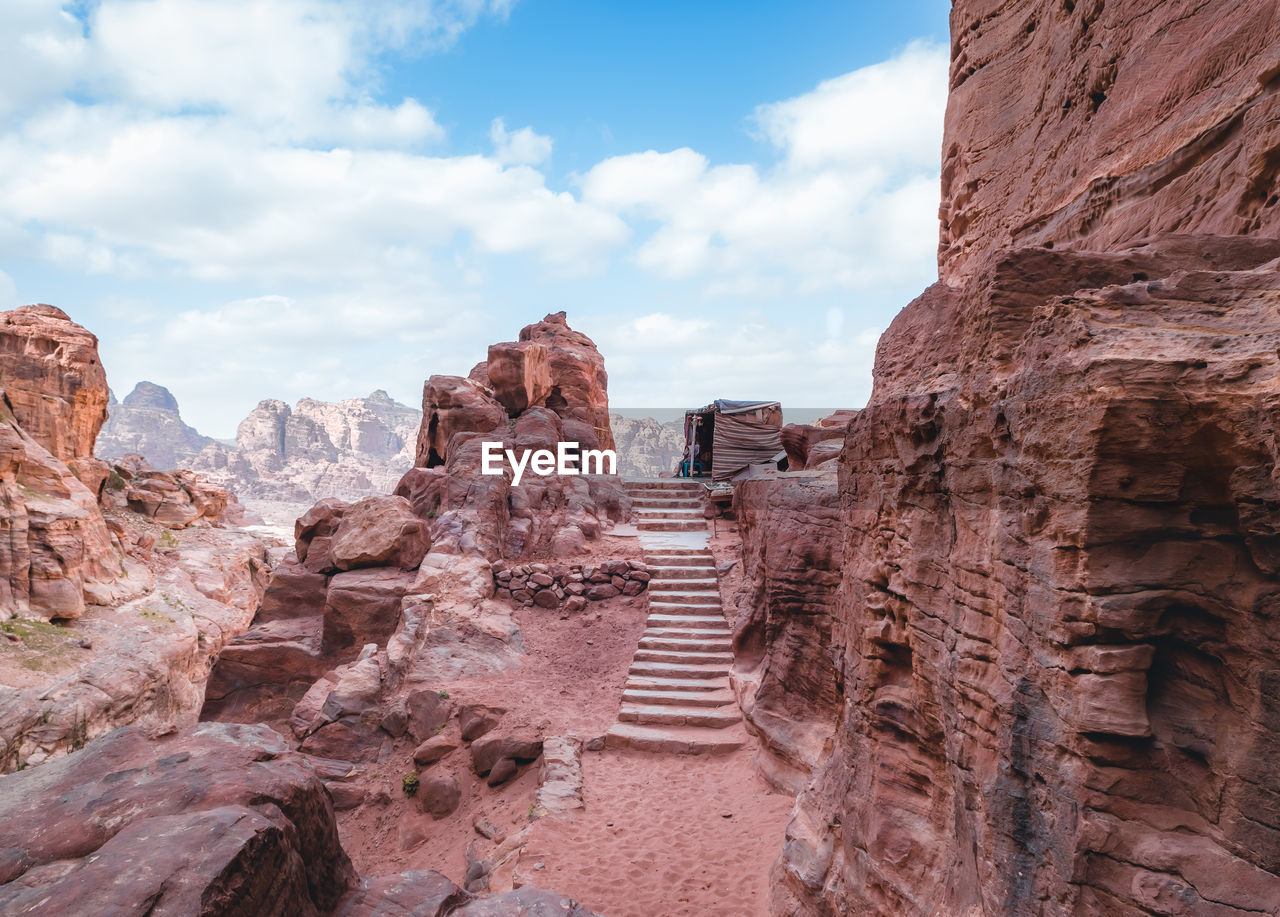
[{"x": 677, "y": 698}]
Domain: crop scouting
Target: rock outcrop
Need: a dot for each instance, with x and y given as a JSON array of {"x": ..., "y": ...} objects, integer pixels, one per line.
[
  {"x": 54, "y": 380},
  {"x": 217, "y": 820},
  {"x": 1092, "y": 125},
  {"x": 148, "y": 423},
  {"x": 222, "y": 819}
]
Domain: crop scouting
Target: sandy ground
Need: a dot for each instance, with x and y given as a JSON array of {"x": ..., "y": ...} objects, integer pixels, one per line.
[{"x": 666, "y": 836}]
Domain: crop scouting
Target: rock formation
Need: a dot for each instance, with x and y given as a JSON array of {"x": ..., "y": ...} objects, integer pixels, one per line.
[
  {"x": 148, "y": 423},
  {"x": 348, "y": 449},
  {"x": 1055, "y": 622},
  {"x": 54, "y": 380},
  {"x": 404, "y": 584},
  {"x": 219, "y": 819},
  {"x": 1093, "y": 125}
]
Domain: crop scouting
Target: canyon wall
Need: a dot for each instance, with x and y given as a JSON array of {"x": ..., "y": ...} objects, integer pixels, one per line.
[
  {"x": 1056, "y": 624},
  {"x": 1092, "y": 124}
]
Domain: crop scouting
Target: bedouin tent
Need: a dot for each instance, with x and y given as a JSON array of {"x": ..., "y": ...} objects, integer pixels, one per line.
[{"x": 725, "y": 437}]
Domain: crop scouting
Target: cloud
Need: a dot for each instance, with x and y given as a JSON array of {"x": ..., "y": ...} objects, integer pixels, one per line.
[
  {"x": 851, "y": 203},
  {"x": 521, "y": 147},
  {"x": 659, "y": 362}
]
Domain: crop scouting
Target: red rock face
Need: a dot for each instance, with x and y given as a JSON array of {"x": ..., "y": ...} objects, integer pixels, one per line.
[
  {"x": 451, "y": 405},
  {"x": 1058, "y": 604},
  {"x": 54, "y": 379},
  {"x": 1089, "y": 125},
  {"x": 222, "y": 819},
  {"x": 579, "y": 384},
  {"x": 784, "y": 674}
]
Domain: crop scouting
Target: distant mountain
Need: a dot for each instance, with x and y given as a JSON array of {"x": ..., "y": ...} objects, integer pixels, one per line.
[
  {"x": 349, "y": 449},
  {"x": 315, "y": 449},
  {"x": 646, "y": 448},
  {"x": 147, "y": 422}
]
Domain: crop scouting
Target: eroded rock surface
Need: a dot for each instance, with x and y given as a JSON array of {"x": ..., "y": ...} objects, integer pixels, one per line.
[
  {"x": 1092, "y": 125},
  {"x": 148, "y": 423},
  {"x": 1056, "y": 623}
]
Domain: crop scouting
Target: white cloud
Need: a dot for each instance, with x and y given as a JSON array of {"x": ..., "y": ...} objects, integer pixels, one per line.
[
  {"x": 520, "y": 147},
  {"x": 851, "y": 204},
  {"x": 753, "y": 356}
]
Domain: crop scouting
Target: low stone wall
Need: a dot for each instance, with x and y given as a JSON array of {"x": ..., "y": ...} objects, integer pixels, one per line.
[{"x": 548, "y": 585}]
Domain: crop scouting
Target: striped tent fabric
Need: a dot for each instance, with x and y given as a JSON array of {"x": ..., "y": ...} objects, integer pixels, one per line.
[{"x": 741, "y": 440}]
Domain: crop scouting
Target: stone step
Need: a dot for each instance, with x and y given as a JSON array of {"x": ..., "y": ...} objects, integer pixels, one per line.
[
  {"x": 708, "y": 614},
  {"x": 671, "y": 501},
  {"x": 679, "y": 557},
  {"x": 685, "y": 598},
  {"x": 706, "y": 686},
  {"x": 680, "y": 740},
  {"x": 718, "y": 698},
  {"x": 691, "y": 487},
  {"x": 686, "y": 621},
  {"x": 689, "y": 571},
  {"x": 651, "y": 525},
  {"x": 691, "y": 512},
  {"x": 689, "y": 644},
  {"x": 712, "y": 631},
  {"x": 693, "y": 657},
  {"x": 668, "y": 715},
  {"x": 658, "y": 584},
  {"x": 680, "y": 669}
]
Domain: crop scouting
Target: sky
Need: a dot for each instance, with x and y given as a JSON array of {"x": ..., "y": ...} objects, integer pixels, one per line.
[{"x": 248, "y": 199}]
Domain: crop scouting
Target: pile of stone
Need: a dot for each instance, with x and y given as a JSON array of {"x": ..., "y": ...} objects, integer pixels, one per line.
[{"x": 548, "y": 585}]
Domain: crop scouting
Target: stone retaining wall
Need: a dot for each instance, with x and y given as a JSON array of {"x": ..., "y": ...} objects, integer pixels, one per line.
[{"x": 548, "y": 585}]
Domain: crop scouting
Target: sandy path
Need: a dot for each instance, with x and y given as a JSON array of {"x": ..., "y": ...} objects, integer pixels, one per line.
[{"x": 666, "y": 835}]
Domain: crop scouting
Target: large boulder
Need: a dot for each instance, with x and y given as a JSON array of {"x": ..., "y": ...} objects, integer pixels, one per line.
[
  {"x": 218, "y": 819},
  {"x": 379, "y": 532},
  {"x": 451, "y": 405},
  {"x": 363, "y": 606},
  {"x": 519, "y": 373}
]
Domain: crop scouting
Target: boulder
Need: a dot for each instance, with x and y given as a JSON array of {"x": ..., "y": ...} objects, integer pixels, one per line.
[
  {"x": 379, "y": 532},
  {"x": 519, "y": 375},
  {"x": 451, "y": 405},
  {"x": 321, "y": 520},
  {"x": 477, "y": 719},
  {"x": 428, "y": 712},
  {"x": 438, "y": 795},
  {"x": 219, "y": 813},
  {"x": 363, "y": 606},
  {"x": 489, "y": 749},
  {"x": 417, "y": 893},
  {"x": 435, "y": 749}
]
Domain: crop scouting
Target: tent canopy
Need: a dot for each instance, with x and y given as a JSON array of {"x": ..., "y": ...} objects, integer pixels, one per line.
[{"x": 742, "y": 433}]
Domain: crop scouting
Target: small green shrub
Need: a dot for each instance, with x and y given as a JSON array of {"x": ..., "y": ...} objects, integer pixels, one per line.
[
  {"x": 115, "y": 480},
  {"x": 409, "y": 783},
  {"x": 444, "y": 695},
  {"x": 167, "y": 539}
]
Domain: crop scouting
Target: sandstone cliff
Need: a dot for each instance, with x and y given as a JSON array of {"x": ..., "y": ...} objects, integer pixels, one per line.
[
  {"x": 647, "y": 448},
  {"x": 1091, "y": 125},
  {"x": 1054, "y": 626}
]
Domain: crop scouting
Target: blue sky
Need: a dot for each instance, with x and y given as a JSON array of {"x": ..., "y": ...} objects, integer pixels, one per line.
[{"x": 276, "y": 198}]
